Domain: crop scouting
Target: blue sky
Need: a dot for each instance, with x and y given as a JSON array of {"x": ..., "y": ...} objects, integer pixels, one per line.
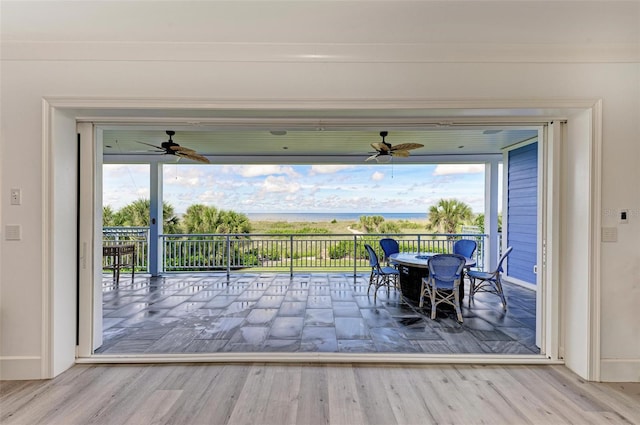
[{"x": 367, "y": 188}]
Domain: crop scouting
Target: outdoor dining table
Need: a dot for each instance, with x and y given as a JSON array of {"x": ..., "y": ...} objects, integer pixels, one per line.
[
  {"x": 118, "y": 255},
  {"x": 413, "y": 266}
]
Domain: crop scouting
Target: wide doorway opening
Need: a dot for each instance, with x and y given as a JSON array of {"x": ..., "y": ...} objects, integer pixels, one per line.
[{"x": 208, "y": 290}]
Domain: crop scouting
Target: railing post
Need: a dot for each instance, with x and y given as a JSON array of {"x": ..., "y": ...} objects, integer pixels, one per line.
[
  {"x": 147, "y": 235},
  {"x": 355, "y": 255},
  {"x": 291, "y": 255},
  {"x": 228, "y": 256},
  {"x": 162, "y": 263},
  {"x": 418, "y": 244}
]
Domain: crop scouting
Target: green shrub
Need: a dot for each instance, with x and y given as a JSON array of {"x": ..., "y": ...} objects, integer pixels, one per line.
[
  {"x": 271, "y": 253},
  {"x": 249, "y": 259},
  {"x": 340, "y": 250},
  {"x": 389, "y": 227},
  {"x": 303, "y": 230},
  {"x": 309, "y": 253},
  {"x": 406, "y": 224}
]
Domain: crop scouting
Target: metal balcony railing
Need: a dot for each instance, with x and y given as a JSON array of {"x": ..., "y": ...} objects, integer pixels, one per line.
[
  {"x": 282, "y": 252},
  {"x": 138, "y": 236}
]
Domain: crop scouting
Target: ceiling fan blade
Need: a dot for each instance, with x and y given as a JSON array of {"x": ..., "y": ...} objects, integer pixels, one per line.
[
  {"x": 381, "y": 147},
  {"x": 148, "y": 151},
  {"x": 372, "y": 157},
  {"x": 406, "y": 146},
  {"x": 192, "y": 155},
  {"x": 401, "y": 153},
  {"x": 178, "y": 148},
  {"x": 149, "y": 144}
]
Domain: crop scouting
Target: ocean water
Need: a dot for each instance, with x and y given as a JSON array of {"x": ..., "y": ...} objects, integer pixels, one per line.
[{"x": 318, "y": 217}]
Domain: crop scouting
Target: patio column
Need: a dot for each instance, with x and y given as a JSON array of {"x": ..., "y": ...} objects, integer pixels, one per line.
[
  {"x": 491, "y": 213},
  {"x": 156, "y": 219}
]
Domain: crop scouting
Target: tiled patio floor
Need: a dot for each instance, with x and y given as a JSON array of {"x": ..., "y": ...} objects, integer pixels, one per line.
[{"x": 306, "y": 313}]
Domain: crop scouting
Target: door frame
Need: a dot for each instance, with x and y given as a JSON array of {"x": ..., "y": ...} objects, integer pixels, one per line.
[{"x": 87, "y": 110}]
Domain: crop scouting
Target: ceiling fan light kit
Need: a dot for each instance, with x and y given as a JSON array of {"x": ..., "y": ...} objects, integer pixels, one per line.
[{"x": 383, "y": 159}]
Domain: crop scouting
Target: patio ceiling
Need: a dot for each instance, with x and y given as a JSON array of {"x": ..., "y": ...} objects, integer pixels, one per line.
[{"x": 312, "y": 143}]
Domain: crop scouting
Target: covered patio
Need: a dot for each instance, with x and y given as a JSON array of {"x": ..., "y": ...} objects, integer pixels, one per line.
[
  {"x": 303, "y": 312},
  {"x": 239, "y": 293}
]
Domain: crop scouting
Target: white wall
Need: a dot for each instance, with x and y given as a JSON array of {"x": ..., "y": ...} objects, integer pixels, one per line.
[{"x": 485, "y": 51}]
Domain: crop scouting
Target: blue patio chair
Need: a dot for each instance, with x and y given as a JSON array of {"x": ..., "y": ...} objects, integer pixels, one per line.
[
  {"x": 490, "y": 282},
  {"x": 390, "y": 246},
  {"x": 465, "y": 247},
  {"x": 380, "y": 275},
  {"x": 443, "y": 282}
]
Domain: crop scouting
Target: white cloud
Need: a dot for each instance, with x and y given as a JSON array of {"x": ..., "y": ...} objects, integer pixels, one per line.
[
  {"x": 328, "y": 168},
  {"x": 279, "y": 184},
  {"x": 209, "y": 197},
  {"x": 116, "y": 169},
  {"x": 377, "y": 176},
  {"x": 119, "y": 196},
  {"x": 264, "y": 170},
  {"x": 187, "y": 176},
  {"x": 447, "y": 169}
]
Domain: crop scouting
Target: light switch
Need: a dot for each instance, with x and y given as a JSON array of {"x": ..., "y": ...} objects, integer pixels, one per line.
[
  {"x": 16, "y": 197},
  {"x": 13, "y": 232}
]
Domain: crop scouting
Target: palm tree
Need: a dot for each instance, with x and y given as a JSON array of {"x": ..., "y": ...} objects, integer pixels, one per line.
[
  {"x": 479, "y": 221},
  {"x": 371, "y": 223},
  {"x": 137, "y": 213},
  {"x": 134, "y": 214},
  {"x": 108, "y": 216},
  {"x": 233, "y": 222},
  {"x": 208, "y": 219},
  {"x": 200, "y": 218},
  {"x": 448, "y": 215}
]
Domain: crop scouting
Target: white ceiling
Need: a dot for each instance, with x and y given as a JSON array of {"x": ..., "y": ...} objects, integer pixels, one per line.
[
  {"x": 312, "y": 144},
  {"x": 519, "y": 22}
]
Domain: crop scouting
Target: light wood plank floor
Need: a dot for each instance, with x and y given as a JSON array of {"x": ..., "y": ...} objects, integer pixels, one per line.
[{"x": 317, "y": 394}]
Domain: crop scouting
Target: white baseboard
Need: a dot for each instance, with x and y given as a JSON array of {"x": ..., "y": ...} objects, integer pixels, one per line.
[
  {"x": 620, "y": 370},
  {"x": 13, "y": 368}
]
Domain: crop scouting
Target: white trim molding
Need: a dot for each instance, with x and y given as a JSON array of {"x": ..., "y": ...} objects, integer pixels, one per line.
[
  {"x": 21, "y": 367},
  {"x": 256, "y": 52},
  {"x": 595, "y": 240},
  {"x": 393, "y": 358},
  {"x": 47, "y": 250},
  {"x": 620, "y": 370},
  {"x": 463, "y": 112}
]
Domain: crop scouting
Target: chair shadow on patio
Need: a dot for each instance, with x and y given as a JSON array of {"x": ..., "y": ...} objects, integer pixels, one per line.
[{"x": 316, "y": 312}]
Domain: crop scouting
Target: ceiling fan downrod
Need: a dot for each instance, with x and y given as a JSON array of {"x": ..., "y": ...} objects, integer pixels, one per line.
[{"x": 384, "y": 134}]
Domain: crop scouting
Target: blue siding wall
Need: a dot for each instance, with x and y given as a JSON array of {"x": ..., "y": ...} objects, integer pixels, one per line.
[{"x": 522, "y": 212}]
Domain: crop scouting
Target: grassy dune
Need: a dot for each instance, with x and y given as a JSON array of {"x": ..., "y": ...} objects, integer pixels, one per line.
[{"x": 330, "y": 227}]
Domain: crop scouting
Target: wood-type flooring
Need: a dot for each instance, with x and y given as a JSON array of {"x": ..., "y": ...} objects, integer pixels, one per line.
[{"x": 347, "y": 394}]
